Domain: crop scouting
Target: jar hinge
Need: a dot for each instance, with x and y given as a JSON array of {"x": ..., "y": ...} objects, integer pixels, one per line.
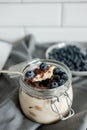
[{"x": 56, "y": 110}]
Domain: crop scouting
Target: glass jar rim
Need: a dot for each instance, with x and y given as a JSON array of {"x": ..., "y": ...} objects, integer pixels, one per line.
[{"x": 46, "y": 93}]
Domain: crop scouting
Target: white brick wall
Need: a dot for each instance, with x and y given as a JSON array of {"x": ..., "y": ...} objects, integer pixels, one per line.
[{"x": 48, "y": 20}]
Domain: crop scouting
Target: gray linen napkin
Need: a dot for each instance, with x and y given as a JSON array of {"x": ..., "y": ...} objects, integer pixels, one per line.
[{"x": 11, "y": 117}]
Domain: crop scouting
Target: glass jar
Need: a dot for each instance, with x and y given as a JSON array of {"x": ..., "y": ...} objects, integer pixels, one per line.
[{"x": 46, "y": 105}]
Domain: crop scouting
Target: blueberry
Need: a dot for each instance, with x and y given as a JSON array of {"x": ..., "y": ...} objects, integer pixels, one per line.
[
  {"x": 71, "y": 67},
  {"x": 86, "y": 57},
  {"x": 56, "y": 77},
  {"x": 53, "y": 85},
  {"x": 61, "y": 82},
  {"x": 79, "y": 68},
  {"x": 75, "y": 48},
  {"x": 30, "y": 74},
  {"x": 63, "y": 54},
  {"x": 81, "y": 56},
  {"x": 76, "y": 59},
  {"x": 55, "y": 50},
  {"x": 51, "y": 56},
  {"x": 85, "y": 67},
  {"x": 70, "y": 50},
  {"x": 64, "y": 76},
  {"x": 43, "y": 66},
  {"x": 69, "y": 63},
  {"x": 78, "y": 63},
  {"x": 61, "y": 73},
  {"x": 56, "y": 71}
]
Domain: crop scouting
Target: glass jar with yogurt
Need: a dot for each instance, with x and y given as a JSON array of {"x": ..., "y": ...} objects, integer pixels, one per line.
[{"x": 46, "y": 105}]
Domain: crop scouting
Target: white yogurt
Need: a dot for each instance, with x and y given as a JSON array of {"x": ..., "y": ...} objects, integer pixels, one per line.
[{"x": 40, "y": 110}]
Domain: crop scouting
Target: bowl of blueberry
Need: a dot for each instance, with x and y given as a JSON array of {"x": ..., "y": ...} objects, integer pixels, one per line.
[{"x": 73, "y": 55}]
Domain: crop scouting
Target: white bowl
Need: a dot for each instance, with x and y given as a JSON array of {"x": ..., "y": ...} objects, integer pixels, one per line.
[{"x": 83, "y": 48}]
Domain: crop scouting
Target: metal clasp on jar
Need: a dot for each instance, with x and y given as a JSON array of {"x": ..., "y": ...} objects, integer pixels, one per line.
[{"x": 56, "y": 109}]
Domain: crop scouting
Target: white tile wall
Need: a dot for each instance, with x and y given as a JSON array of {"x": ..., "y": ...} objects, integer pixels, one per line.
[
  {"x": 30, "y": 14},
  {"x": 75, "y": 14},
  {"x": 48, "y": 20},
  {"x": 31, "y": 1},
  {"x": 58, "y": 34},
  {"x": 9, "y": 1},
  {"x": 11, "y": 34},
  {"x": 54, "y": 0}
]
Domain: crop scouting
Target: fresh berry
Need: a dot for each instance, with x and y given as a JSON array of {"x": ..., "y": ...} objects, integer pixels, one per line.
[
  {"x": 56, "y": 77},
  {"x": 30, "y": 74},
  {"x": 62, "y": 72},
  {"x": 56, "y": 71},
  {"x": 64, "y": 76},
  {"x": 43, "y": 66},
  {"x": 85, "y": 67},
  {"x": 61, "y": 82},
  {"x": 54, "y": 85}
]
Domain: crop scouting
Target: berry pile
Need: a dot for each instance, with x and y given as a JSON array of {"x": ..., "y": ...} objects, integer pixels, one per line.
[
  {"x": 58, "y": 78},
  {"x": 70, "y": 55}
]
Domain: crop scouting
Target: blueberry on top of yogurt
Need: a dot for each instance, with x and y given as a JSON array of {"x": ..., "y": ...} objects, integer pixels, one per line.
[
  {"x": 46, "y": 76},
  {"x": 30, "y": 74},
  {"x": 43, "y": 66},
  {"x": 59, "y": 77},
  {"x": 64, "y": 76},
  {"x": 56, "y": 71},
  {"x": 56, "y": 77},
  {"x": 61, "y": 82}
]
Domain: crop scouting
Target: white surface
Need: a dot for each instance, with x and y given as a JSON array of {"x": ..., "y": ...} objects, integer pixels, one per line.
[
  {"x": 30, "y": 14},
  {"x": 10, "y": 1},
  {"x": 44, "y": 34},
  {"x": 7, "y": 1},
  {"x": 75, "y": 14},
  {"x": 11, "y": 34},
  {"x": 54, "y": 0},
  {"x": 5, "y": 49},
  {"x": 58, "y": 34}
]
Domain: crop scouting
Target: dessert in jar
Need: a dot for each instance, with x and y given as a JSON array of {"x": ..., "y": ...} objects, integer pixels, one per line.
[{"x": 45, "y": 92}]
